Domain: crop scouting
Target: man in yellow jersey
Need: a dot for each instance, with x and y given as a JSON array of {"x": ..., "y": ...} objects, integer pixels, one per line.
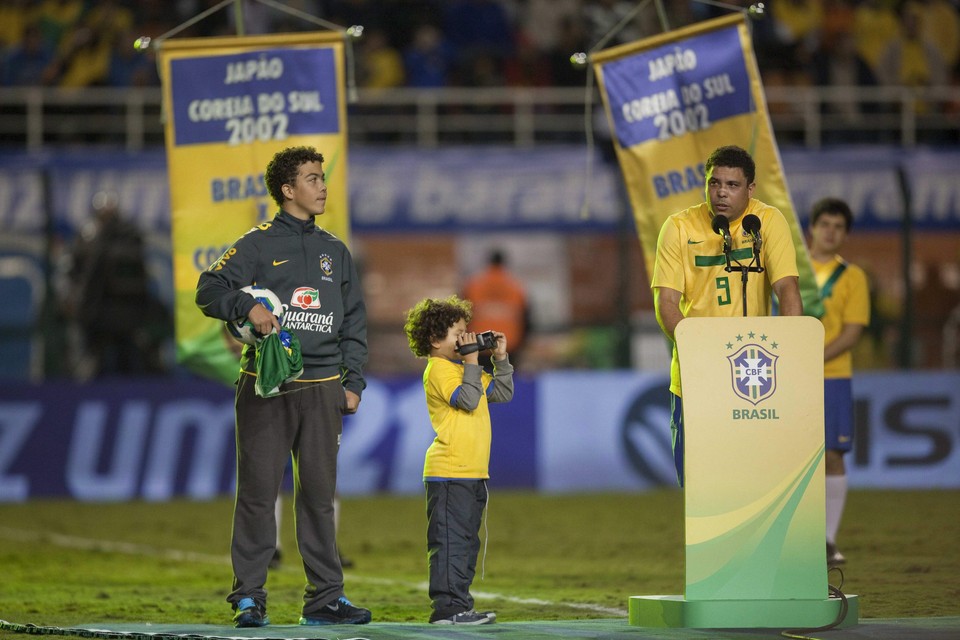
[
  {"x": 846, "y": 302},
  {"x": 690, "y": 277}
]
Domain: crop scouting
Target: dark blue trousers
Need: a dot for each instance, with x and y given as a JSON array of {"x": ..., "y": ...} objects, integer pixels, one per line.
[{"x": 454, "y": 514}]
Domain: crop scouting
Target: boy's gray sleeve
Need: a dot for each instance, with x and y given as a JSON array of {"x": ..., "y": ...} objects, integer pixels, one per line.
[
  {"x": 471, "y": 389},
  {"x": 502, "y": 381},
  {"x": 353, "y": 331},
  {"x": 218, "y": 292}
]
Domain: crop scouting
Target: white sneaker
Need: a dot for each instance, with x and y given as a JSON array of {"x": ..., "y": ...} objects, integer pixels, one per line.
[
  {"x": 834, "y": 557},
  {"x": 468, "y": 617}
]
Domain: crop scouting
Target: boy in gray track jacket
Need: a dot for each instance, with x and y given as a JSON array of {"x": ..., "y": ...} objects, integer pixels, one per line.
[{"x": 313, "y": 274}]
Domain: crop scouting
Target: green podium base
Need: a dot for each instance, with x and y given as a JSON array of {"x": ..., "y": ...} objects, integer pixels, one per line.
[{"x": 676, "y": 612}]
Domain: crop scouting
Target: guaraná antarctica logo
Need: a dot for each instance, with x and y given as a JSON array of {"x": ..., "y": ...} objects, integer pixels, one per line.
[{"x": 753, "y": 368}]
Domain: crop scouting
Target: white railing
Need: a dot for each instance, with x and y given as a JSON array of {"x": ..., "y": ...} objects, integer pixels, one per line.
[{"x": 31, "y": 118}]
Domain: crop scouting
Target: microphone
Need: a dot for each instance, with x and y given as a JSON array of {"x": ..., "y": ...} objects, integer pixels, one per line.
[
  {"x": 721, "y": 226},
  {"x": 751, "y": 224}
]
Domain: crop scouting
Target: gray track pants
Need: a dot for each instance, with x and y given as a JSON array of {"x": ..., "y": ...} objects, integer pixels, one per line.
[{"x": 306, "y": 423}]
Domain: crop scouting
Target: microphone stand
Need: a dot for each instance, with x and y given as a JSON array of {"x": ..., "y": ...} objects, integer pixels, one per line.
[{"x": 753, "y": 266}]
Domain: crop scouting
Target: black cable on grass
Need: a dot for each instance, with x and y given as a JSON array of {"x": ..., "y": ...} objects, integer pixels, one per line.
[
  {"x": 38, "y": 630},
  {"x": 835, "y": 592}
]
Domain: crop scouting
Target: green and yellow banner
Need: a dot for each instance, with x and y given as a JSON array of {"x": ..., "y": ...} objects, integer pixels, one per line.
[
  {"x": 674, "y": 98},
  {"x": 230, "y": 104}
]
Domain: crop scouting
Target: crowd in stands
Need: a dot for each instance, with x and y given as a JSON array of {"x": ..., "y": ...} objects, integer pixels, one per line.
[{"x": 440, "y": 43}]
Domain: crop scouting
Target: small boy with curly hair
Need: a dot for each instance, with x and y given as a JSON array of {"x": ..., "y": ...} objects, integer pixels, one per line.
[{"x": 456, "y": 467}]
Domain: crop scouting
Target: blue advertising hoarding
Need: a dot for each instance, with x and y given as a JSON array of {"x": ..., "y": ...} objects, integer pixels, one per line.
[
  {"x": 122, "y": 440},
  {"x": 489, "y": 189}
]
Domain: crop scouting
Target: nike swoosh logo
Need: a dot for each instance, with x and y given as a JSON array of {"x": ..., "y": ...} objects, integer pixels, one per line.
[
  {"x": 694, "y": 241},
  {"x": 277, "y": 263},
  {"x": 844, "y": 438}
]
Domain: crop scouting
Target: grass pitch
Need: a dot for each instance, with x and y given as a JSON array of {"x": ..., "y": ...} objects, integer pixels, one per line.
[{"x": 548, "y": 558}]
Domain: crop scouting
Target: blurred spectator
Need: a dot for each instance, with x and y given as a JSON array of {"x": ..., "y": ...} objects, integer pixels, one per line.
[
  {"x": 25, "y": 64},
  {"x": 911, "y": 60},
  {"x": 798, "y": 22},
  {"x": 290, "y": 23},
  {"x": 784, "y": 53},
  {"x": 462, "y": 42},
  {"x": 528, "y": 68},
  {"x": 109, "y": 17},
  {"x": 83, "y": 57},
  {"x": 482, "y": 37},
  {"x": 350, "y": 12},
  {"x": 57, "y": 18},
  {"x": 544, "y": 21},
  {"x": 875, "y": 26},
  {"x": 401, "y": 18},
  {"x": 935, "y": 296},
  {"x": 218, "y": 23},
  {"x": 379, "y": 65},
  {"x": 837, "y": 63},
  {"x": 109, "y": 296},
  {"x": 83, "y": 62},
  {"x": 838, "y": 17},
  {"x": 258, "y": 19},
  {"x": 484, "y": 70},
  {"x": 15, "y": 15},
  {"x": 154, "y": 18},
  {"x": 941, "y": 26},
  {"x": 499, "y": 304},
  {"x": 428, "y": 58},
  {"x": 601, "y": 16},
  {"x": 129, "y": 67},
  {"x": 571, "y": 38}
]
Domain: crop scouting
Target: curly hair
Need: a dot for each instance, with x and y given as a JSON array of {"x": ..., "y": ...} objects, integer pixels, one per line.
[
  {"x": 735, "y": 158},
  {"x": 430, "y": 320},
  {"x": 284, "y": 166}
]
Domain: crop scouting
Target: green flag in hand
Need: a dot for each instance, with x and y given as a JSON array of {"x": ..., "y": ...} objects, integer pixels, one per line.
[{"x": 278, "y": 361}]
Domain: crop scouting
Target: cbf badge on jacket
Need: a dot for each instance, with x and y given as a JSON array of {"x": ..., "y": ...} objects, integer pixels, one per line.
[{"x": 326, "y": 265}]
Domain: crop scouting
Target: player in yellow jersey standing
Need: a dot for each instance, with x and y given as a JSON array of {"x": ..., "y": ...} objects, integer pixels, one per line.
[
  {"x": 846, "y": 302},
  {"x": 690, "y": 277}
]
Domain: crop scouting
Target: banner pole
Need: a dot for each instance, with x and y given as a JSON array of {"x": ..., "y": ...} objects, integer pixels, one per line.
[{"x": 238, "y": 17}]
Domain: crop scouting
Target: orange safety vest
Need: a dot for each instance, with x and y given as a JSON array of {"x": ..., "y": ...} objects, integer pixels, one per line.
[{"x": 499, "y": 303}]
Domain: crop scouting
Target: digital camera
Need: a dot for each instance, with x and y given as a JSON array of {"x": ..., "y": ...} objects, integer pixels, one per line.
[{"x": 485, "y": 340}]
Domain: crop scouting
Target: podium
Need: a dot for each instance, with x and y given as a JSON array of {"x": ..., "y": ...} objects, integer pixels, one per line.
[{"x": 754, "y": 489}]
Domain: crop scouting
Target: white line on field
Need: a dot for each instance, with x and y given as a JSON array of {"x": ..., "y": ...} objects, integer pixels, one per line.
[{"x": 130, "y": 548}]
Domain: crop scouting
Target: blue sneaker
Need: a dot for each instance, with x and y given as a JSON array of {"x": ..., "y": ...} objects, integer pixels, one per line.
[
  {"x": 340, "y": 611},
  {"x": 250, "y": 614}
]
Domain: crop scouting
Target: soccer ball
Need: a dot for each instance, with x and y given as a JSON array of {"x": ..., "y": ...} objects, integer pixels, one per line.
[{"x": 241, "y": 329}]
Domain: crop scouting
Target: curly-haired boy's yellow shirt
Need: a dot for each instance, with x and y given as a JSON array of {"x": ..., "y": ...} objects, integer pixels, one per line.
[
  {"x": 690, "y": 260},
  {"x": 461, "y": 448}
]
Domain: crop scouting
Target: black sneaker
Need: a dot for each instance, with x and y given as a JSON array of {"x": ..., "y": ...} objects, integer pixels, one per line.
[
  {"x": 250, "y": 614},
  {"x": 468, "y": 617},
  {"x": 340, "y": 611}
]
